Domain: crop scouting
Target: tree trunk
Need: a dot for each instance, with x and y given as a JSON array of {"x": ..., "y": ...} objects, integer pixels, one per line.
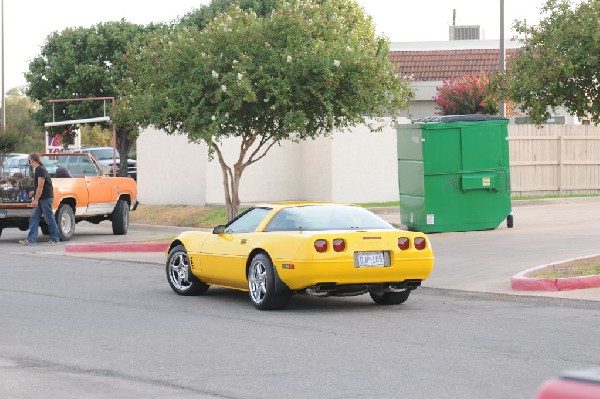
[
  {"x": 231, "y": 184},
  {"x": 231, "y": 178},
  {"x": 123, "y": 145}
]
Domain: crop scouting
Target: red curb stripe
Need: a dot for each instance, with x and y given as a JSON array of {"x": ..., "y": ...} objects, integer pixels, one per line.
[
  {"x": 520, "y": 281},
  {"x": 119, "y": 247}
]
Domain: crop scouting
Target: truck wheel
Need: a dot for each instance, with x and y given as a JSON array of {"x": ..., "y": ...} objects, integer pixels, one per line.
[
  {"x": 65, "y": 219},
  {"x": 120, "y": 218}
]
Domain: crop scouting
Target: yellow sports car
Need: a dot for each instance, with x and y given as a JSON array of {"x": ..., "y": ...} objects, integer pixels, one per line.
[{"x": 324, "y": 249}]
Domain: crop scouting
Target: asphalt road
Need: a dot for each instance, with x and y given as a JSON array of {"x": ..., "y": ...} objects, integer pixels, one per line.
[{"x": 88, "y": 328}]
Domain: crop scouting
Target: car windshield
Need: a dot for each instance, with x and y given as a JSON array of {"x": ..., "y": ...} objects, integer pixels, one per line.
[
  {"x": 103, "y": 154},
  {"x": 247, "y": 221},
  {"x": 326, "y": 217}
]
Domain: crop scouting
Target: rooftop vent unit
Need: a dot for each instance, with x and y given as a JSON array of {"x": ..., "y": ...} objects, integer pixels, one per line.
[{"x": 465, "y": 32}]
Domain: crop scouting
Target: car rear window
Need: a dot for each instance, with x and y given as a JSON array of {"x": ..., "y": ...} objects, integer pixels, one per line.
[{"x": 326, "y": 217}]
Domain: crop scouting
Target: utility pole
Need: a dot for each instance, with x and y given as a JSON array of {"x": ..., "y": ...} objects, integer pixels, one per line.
[
  {"x": 3, "y": 97},
  {"x": 502, "y": 55}
]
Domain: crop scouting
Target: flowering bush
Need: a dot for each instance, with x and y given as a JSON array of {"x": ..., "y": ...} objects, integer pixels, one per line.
[
  {"x": 67, "y": 136},
  {"x": 465, "y": 95}
]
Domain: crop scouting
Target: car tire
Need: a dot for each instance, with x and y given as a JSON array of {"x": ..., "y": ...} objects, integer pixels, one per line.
[
  {"x": 266, "y": 291},
  {"x": 120, "y": 218},
  {"x": 65, "y": 220},
  {"x": 390, "y": 298},
  {"x": 179, "y": 276}
]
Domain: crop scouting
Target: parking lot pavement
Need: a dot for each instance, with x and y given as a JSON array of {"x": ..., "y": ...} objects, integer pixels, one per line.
[{"x": 544, "y": 232}]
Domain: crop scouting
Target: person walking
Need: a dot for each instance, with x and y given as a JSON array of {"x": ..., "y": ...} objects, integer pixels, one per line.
[{"x": 42, "y": 198}]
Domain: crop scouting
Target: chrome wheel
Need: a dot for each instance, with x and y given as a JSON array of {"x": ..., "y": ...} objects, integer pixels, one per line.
[
  {"x": 266, "y": 290},
  {"x": 180, "y": 278},
  {"x": 257, "y": 281},
  {"x": 178, "y": 271}
]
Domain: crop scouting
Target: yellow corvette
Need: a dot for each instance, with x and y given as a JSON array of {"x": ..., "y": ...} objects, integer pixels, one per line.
[{"x": 324, "y": 249}]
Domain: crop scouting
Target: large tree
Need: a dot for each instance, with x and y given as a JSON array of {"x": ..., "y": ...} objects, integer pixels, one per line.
[
  {"x": 83, "y": 63},
  {"x": 303, "y": 70},
  {"x": 559, "y": 63}
]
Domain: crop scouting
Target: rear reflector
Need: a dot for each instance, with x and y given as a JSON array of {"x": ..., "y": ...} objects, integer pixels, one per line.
[
  {"x": 403, "y": 243},
  {"x": 420, "y": 243},
  {"x": 321, "y": 245},
  {"x": 339, "y": 245}
]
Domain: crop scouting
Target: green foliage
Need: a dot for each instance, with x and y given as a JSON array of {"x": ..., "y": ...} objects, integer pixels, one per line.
[
  {"x": 83, "y": 63},
  {"x": 202, "y": 16},
  {"x": 28, "y": 137},
  {"x": 8, "y": 142},
  {"x": 559, "y": 62},
  {"x": 465, "y": 95},
  {"x": 95, "y": 136},
  {"x": 304, "y": 70}
]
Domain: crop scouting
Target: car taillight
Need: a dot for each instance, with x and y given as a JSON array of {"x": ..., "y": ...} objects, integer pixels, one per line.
[
  {"x": 420, "y": 243},
  {"x": 321, "y": 245},
  {"x": 339, "y": 245},
  {"x": 403, "y": 243}
]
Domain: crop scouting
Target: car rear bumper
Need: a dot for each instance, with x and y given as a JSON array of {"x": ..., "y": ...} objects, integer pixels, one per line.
[{"x": 299, "y": 275}]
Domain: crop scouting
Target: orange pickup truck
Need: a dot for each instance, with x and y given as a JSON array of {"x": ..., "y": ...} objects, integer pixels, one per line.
[{"x": 83, "y": 190}]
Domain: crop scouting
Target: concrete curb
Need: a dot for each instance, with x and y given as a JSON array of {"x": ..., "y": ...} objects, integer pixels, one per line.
[
  {"x": 520, "y": 281},
  {"x": 119, "y": 247}
]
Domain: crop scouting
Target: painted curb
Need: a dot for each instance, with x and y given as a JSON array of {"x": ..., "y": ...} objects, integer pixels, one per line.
[
  {"x": 520, "y": 281},
  {"x": 119, "y": 247}
]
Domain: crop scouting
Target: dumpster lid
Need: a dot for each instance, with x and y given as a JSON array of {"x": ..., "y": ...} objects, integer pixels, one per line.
[{"x": 458, "y": 118}]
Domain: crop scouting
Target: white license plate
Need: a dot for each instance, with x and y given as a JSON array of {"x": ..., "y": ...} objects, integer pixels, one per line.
[{"x": 369, "y": 259}]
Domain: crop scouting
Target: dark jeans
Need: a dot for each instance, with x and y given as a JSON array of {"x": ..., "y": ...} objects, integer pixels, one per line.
[{"x": 44, "y": 207}]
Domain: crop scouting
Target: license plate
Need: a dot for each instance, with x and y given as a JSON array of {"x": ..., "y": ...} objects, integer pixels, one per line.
[
  {"x": 369, "y": 259},
  {"x": 2, "y": 213}
]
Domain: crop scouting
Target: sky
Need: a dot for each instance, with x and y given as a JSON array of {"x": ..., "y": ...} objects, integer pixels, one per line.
[{"x": 27, "y": 23}]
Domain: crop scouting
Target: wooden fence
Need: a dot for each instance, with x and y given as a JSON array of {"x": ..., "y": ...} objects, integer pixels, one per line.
[{"x": 555, "y": 159}]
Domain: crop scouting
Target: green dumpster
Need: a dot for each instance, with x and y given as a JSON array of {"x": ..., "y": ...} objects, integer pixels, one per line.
[{"x": 453, "y": 173}]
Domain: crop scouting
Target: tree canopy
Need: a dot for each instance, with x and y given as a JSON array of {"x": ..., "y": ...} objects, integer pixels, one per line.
[
  {"x": 303, "y": 70},
  {"x": 83, "y": 63},
  {"x": 202, "y": 16},
  {"x": 559, "y": 64},
  {"x": 21, "y": 134}
]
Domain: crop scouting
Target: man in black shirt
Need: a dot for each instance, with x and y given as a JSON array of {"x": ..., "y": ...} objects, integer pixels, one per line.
[{"x": 42, "y": 197}]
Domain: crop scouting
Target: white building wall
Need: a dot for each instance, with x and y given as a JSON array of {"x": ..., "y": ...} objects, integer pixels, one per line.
[
  {"x": 353, "y": 166},
  {"x": 316, "y": 167},
  {"x": 366, "y": 166},
  {"x": 170, "y": 169}
]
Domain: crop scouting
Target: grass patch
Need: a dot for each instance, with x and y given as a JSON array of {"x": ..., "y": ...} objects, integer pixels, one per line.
[
  {"x": 380, "y": 204},
  {"x": 575, "y": 268},
  {"x": 179, "y": 215}
]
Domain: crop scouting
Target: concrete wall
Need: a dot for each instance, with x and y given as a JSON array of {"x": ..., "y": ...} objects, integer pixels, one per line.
[
  {"x": 170, "y": 169},
  {"x": 352, "y": 166}
]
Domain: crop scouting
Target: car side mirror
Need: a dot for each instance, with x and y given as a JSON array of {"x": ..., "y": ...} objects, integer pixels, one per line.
[{"x": 220, "y": 229}]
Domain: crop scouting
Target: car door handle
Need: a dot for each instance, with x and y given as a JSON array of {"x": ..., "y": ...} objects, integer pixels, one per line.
[{"x": 243, "y": 241}]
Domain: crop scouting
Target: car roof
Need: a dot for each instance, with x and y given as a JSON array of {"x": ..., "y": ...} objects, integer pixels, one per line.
[
  {"x": 295, "y": 204},
  {"x": 19, "y": 156}
]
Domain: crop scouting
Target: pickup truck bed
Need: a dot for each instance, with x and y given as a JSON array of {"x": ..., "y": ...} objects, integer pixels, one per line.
[{"x": 84, "y": 193}]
